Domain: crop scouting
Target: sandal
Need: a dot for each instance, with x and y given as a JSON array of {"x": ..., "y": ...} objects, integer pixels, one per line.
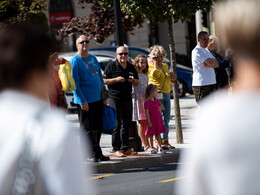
[
  {"x": 162, "y": 151},
  {"x": 168, "y": 147},
  {"x": 146, "y": 148},
  {"x": 153, "y": 151}
]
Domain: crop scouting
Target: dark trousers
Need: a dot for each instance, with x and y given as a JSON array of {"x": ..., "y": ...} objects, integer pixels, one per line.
[
  {"x": 120, "y": 136},
  {"x": 201, "y": 92},
  {"x": 91, "y": 125}
]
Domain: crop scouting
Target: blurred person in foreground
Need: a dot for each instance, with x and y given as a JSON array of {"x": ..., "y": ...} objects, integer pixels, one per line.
[
  {"x": 39, "y": 154},
  {"x": 225, "y": 157}
]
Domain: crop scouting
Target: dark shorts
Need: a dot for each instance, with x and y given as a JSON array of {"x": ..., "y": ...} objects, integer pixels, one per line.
[{"x": 201, "y": 92}]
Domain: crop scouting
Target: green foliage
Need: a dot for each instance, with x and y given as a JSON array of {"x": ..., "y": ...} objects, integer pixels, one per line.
[
  {"x": 160, "y": 10},
  {"x": 16, "y": 11}
]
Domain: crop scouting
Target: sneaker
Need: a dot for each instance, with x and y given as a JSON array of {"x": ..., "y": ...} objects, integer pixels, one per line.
[{"x": 119, "y": 153}]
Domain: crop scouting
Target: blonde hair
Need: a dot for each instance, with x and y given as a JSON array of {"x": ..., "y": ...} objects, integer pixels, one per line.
[
  {"x": 157, "y": 50},
  {"x": 238, "y": 24},
  {"x": 212, "y": 39}
]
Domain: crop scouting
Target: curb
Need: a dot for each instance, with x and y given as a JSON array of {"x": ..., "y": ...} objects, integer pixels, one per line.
[{"x": 129, "y": 163}]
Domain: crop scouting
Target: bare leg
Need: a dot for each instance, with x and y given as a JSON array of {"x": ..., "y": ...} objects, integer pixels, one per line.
[
  {"x": 141, "y": 131},
  {"x": 150, "y": 141},
  {"x": 159, "y": 141}
]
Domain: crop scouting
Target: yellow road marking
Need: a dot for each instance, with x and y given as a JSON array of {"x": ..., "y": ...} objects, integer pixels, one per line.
[
  {"x": 174, "y": 179},
  {"x": 100, "y": 177}
]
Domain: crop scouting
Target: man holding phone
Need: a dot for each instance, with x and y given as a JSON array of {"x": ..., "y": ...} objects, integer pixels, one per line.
[{"x": 120, "y": 75}]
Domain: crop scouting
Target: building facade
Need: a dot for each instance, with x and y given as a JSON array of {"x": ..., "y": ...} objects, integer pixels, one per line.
[{"x": 60, "y": 11}]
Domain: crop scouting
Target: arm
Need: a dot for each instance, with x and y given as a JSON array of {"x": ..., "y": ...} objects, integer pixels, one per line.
[
  {"x": 135, "y": 82},
  {"x": 148, "y": 118},
  {"x": 114, "y": 80},
  {"x": 210, "y": 62},
  {"x": 223, "y": 62}
]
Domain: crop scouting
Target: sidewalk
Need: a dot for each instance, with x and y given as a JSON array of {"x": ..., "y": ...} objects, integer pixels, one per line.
[{"x": 145, "y": 159}]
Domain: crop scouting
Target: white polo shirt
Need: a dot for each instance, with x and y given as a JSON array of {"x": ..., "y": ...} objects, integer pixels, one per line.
[{"x": 202, "y": 75}]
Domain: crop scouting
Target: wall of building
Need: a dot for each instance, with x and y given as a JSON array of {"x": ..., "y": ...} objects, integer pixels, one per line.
[
  {"x": 179, "y": 33},
  {"x": 139, "y": 38}
]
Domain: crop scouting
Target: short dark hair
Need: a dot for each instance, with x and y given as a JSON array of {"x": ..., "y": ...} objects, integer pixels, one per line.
[
  {"x": 24, "y": 48},
  {"x": 201, "y": 33}
]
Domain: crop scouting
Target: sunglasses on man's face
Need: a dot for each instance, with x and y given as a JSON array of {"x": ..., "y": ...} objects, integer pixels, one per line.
[
  {"x": 125, "y": 53},
  {"x": 82, "y": 42}
]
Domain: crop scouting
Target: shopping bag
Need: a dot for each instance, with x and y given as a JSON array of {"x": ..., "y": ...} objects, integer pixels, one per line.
[
  {"x": 109, "y": 119},
  {"x": 67, "y": 81}
]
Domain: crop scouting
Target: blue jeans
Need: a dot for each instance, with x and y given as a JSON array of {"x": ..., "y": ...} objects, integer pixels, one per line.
[{"x": 166, "y": 114}]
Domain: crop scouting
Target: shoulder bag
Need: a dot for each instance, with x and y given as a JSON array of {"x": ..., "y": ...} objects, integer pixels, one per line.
[{"x": 104, "y": 91}]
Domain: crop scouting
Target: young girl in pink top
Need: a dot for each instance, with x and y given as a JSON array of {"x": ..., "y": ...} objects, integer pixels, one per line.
[{"x": 155, "y": 124}]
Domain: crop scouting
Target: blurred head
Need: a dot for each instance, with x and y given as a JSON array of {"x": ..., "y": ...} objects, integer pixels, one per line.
[
  {"x": 157, "y": 53},
  {"x": 203, "y": 39},
  {"x": 141, "y": 63},
  {"x": 213, "y": 43},
  {"x": 238, "y": 24},
  {"x": 122, "y": 54},
  {"x": 151, "y": 91},
  {"x": 82, "y": 44},
  {"x": 24, "y": 55}
]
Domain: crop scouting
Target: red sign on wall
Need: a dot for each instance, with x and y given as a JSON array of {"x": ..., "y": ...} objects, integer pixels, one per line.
[{"x": 60, "y": 17}]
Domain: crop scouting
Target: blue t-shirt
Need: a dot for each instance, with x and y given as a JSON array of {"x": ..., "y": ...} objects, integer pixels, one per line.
[{"x": 88, "y": 85}]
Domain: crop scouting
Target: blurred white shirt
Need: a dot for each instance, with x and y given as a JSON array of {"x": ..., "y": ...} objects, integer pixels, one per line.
[
  {"x": 225, "y": 157},
  {"x": 59, "y": 166}
]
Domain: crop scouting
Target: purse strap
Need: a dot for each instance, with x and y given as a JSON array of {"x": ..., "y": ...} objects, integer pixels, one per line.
[
  {"x": 164, "y": 78},
  {"x": 92, "y": 70}
]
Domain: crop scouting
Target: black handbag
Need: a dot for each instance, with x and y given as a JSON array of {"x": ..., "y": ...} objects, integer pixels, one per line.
[{"x": 104, "y": 91}]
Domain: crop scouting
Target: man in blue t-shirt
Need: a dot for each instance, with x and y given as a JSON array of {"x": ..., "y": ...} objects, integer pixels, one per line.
[{"x": 87, "y": 95}]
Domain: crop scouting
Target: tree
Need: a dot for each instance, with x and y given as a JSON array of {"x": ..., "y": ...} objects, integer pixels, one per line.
[
  {"x": 165, "y": 11},
  {"x": 17, "y": 11},
  {"x": 100, "y": 23}
]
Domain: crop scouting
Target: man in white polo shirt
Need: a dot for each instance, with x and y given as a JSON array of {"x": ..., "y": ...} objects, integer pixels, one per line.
[{"x": 203, "y": 63}]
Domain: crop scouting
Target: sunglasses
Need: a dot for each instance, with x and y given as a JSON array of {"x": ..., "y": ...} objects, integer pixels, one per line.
[
  {"x": 82, "y": 42},
  {"x": 125, "y": 53}
]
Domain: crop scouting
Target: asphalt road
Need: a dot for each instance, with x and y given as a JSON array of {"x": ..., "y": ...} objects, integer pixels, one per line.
[{"x": 153, "y": 181}]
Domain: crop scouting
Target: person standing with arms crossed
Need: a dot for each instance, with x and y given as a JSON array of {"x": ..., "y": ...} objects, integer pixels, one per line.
[
  {"x": 203, "y": 63},
  {"x": 87, "y": 95},
  {"x": 120, "y": 75}
]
